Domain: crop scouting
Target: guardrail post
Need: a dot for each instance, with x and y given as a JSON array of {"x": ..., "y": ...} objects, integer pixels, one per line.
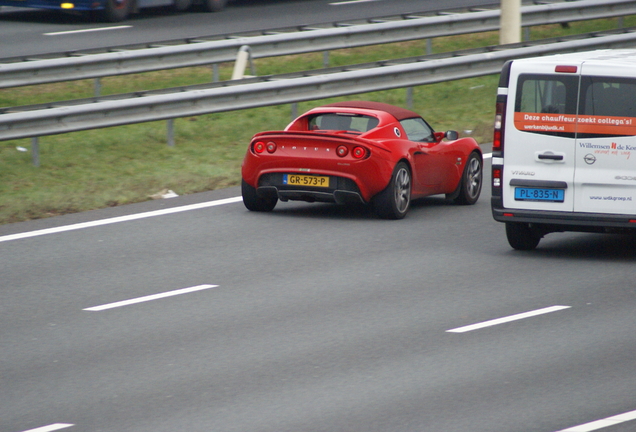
[
  {"x": 215, "y": 72},
  {"x": 325, "y": 59},
  {"x": 35, "y": 151},
  {"x": 97, "y": 85},
  {"x": 244, "y": 55},
  {"x": 429, "y": 46},
  {"x": 409, "y": 97},
  {"x": 170, "y": 132},
  {"x": 294, "y": 110},
  {"x": 510, "y": 22}
]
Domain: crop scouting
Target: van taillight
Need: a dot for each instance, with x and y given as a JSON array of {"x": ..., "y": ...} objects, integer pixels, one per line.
[
  {"x": 566, "y": 69},
  {"x": 497, "y": 143},
  {"x": 496, "y": 177}
]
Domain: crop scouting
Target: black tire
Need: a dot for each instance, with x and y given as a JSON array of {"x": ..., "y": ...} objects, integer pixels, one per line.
[
  {"x": 214, "y": 5},
  {"x": 253, "y": 202},
  {"x": 522, "y": 236},
  {"x": 115, "y": 10},
  {"x": 471, "y": 181},
  {"x": 394, "y": 201},
  {"x": 181, "y": 5}
]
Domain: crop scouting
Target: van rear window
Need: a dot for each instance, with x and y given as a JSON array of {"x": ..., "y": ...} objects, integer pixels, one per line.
[
  {"x": 609, "y": 105},
  {"x": 549, "y": 105},
  {"x": 546, "y": 94}
]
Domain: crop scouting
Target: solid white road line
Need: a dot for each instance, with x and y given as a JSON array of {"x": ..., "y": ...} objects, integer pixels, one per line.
[
  {"x": 119, "y": 219},
  {"x": 346, "y": 2},
  {"x": 87, "y": 30},
  {"x": 149, "y": 298},
  {"x": 507, "y": 319},
  {"x": 603, "y": 423},
  {"x": 50, "y": 428}
]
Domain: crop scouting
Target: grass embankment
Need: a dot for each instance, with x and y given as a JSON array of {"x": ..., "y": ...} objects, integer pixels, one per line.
[{"x": 107, "y": 167}]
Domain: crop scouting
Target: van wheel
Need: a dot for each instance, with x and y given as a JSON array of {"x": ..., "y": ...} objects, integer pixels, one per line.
[
  {"x": 522, "y": 236},
  {"x": 253, "y": 202},
  {"x": 470, "y": 183}
]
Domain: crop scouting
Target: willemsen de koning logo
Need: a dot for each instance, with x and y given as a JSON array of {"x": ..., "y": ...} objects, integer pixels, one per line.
[
  {"x": 613, "y": 149},
  {"x": 612, "y": 146}
]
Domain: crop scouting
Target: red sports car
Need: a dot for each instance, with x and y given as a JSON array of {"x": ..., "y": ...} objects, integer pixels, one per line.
[{"x": 360, "y": 152}]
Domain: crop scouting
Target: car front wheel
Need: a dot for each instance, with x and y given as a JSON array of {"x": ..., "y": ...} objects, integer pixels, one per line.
[
  {"x": 253, "y": 202},
  {"x": 394, "y": 201},
  {"x": 470, "y": 183}
]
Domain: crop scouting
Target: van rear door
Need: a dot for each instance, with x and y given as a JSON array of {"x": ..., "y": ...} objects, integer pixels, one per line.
[
  {"x": 605, "y": 178},
  {"x": 539, "y": 151}
]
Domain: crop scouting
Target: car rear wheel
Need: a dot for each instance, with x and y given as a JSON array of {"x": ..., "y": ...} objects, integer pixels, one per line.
[
  {"x": 470, "y": 184},
  {"x": 253, "y": 202},
  {"x": 522, "y": 236},
  {"x": 394, "y": 201}
]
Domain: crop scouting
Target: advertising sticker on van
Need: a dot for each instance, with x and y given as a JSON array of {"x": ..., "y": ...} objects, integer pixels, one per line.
[{"x": 593, "y": 124}]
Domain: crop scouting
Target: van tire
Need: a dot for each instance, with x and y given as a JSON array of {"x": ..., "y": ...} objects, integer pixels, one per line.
[
  {"x": 521, "y": 236},
  {"x": 469, "y": 187}
]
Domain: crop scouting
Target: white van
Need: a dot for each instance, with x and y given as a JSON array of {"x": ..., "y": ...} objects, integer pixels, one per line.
[{"x": 564, "y": 151}]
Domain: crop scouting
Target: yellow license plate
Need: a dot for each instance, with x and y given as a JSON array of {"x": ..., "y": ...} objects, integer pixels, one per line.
[{"x": 305, "y": 180}]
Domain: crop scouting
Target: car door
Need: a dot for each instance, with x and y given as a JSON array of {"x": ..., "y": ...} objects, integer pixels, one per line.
[
  {"x": 605, "y": 176},
  {"x": 539, "y": 147},
  {"x": 430, "y": 158}
]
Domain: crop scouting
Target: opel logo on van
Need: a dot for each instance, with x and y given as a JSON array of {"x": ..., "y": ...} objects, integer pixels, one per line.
[{"x": 589, "y": 159}]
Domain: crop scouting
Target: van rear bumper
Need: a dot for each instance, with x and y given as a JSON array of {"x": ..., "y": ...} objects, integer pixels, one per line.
[{"x": 561, "y": 221}]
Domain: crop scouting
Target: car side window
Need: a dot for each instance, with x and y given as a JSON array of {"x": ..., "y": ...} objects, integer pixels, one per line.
[{"x": 417, "y": 130}]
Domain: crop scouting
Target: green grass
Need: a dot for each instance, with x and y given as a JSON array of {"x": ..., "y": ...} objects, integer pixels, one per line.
[{"x": 107, "y": 167}]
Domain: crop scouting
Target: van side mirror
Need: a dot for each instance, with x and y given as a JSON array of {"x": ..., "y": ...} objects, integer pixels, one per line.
[{"x": 451, "y": 135}]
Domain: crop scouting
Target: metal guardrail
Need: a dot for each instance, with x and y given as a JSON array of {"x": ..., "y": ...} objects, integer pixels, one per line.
[
  {"x": 214, "y": 52},
  {"x": 275, "y": 90}
]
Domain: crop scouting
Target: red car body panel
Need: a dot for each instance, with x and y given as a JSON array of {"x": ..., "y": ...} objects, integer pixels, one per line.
[{"x": 436, "y": 167}]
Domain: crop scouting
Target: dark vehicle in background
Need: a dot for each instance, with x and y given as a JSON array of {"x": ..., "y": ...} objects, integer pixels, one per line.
[{"x": 114, "y": 10}]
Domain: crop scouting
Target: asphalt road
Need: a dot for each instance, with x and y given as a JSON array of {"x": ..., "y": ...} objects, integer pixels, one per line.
[
  {"x": 28, "y": 32},
  {"x": 311, "y": 318}
]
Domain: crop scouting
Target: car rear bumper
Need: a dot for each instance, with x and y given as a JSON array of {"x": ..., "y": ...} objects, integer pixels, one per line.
[{"x": 342, "y": 190}]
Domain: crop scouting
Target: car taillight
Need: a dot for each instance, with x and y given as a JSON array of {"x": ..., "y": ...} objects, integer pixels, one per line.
[
  {"x": 497, "y": 141},
  {"x": 259, "y": 147},
  {"x": 359, "y": 152},
  {"x": 342, "y": 151},
  {"x": 271, "y": 147}
]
